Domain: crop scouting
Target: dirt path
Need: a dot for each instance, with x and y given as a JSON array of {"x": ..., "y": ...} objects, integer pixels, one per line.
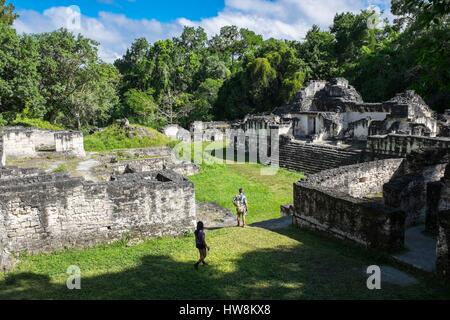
[{"x": 86, "y": 167}]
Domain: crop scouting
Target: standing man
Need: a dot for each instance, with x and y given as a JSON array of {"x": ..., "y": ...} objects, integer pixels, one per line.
[{"x": 240, "y": 202}]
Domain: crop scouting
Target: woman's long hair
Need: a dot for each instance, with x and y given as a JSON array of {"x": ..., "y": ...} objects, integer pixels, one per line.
[{"x": 199, "y": 227}]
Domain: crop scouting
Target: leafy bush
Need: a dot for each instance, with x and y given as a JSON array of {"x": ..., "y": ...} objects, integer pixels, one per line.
[
  {"x": 133, "y": 136},
  {"x": 35, "y": 123}
]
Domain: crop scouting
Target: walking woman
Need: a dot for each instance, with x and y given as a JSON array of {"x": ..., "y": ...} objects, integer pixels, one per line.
[{"x": 200, "y": 243}]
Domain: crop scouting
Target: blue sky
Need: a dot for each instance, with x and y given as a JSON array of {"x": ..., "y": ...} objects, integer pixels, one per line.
[
  {"x": 115, "y": 24},
  {"x": 164, "y": 11}
]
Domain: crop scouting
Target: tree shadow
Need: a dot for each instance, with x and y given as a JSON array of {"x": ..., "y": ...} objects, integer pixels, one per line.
[{"x": 303, "y": 271}]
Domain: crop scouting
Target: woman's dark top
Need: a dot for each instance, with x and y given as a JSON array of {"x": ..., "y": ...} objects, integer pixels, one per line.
[{"x": 200, "y": 239}]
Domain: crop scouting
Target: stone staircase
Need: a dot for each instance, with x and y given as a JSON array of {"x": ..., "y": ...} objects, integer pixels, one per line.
[{"x": 311, "y": 158}]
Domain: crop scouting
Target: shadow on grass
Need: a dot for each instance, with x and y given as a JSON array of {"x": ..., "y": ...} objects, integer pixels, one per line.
[{"x": 305, "y": 271}]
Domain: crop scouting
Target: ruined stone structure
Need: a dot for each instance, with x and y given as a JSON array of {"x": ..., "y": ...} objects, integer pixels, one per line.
[
  {"x": 398, "y": 146},
  {"x": 335, "y": 110},
  {"x": 43, "y": 212},
  {"x": 373, "y": 203},
  {"x": 20, "y": 142},
  {"x": 184, "y": 168},
  {"x": 174, "y": 131},
  {"x": 443, "y": 227},
  {"x": 344, "y": 202},
  {"x": 328, "y": 125},
  {"x": 311, "y": 158},
  {"x": 209, "y": 131}
]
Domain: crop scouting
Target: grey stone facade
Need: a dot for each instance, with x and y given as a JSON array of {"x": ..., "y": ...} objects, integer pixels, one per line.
[
  {"x": 373, "y": 203},
  {"x": 19, "y": 142},
  {"x": 342, "y": 202},
  {"x": 396, "y": 145},
  {"x": 313, "y": 157},
  {"x": 184, "y": 168},
  {"x": 42, "y": 213}
]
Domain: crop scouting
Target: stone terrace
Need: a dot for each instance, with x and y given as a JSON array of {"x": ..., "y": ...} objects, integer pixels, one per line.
[{"x": 45, "y": 212}]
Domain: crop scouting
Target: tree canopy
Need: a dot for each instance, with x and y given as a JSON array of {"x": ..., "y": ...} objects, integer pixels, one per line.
[{"x": 59, "y": 77}]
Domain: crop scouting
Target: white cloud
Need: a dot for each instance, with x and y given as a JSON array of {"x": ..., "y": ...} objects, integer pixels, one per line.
[{"x": 288, "y": 19}]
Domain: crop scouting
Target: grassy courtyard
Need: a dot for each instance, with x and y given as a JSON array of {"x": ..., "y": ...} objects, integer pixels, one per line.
[
  {"x": 265, "y": 193},
  {"x": 249, "y": 263}
]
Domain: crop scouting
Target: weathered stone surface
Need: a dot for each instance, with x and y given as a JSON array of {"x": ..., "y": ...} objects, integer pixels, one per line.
[
  {"x": 30, "y": 142},
  {"x": 420, "y": 250},
  {"x": 185, "y": 168},
  {"x": 323, "y": 202},
  {"x": 209, "y": 131},
  {"x": 46, "y": 213},
  {"x": 312, "y": 158},
  {"x": 214, "y": 216},
  {"x": 395, "y": 145},
  {"x": 443, "y": 244},
  {"x": 433, "y": 196}
]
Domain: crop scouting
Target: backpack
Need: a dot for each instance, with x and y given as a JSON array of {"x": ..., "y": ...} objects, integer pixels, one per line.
[{"x": 239, "y": 204}]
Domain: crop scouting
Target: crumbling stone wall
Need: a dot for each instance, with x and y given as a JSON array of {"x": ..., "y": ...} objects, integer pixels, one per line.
[
  {"x": 29, "y": 142},
  {"x": 443, "y": 224},
  {"x": 409, "y": 189},
  {"x": 323, "y": 202},
  {"x": 174, "y": 131},
  {"x": 184, "y": 168},
  {"x": 312, "y": 158},
  {"x": 360, "y": 180},
  {"x": 396, "y": 145},
  {"x": 42, "y": 213},
  {"x": 209, "y": 131}
]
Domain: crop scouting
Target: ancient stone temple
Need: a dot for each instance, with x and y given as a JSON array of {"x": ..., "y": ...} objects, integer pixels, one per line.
[
  {"x": 20, "y": 142},
  {"x": 335, "y": 110},
  {"x": 328, "y": 125},
  {"x": 42, "y": 212},
  {"x": 376, "y": 204}
]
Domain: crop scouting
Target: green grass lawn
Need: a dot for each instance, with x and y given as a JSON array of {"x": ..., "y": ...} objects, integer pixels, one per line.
[
  {"x": 265, "y": 193},
  {"x": 249, "y": 263},
  {"x": 115, "y": 137}
]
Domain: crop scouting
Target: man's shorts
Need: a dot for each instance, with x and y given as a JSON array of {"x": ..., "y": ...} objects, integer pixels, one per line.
[{"x": 239, "y": 214}]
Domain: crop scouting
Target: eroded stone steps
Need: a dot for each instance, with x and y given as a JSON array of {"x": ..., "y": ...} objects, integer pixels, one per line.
[{"x": 313, "y": 158}]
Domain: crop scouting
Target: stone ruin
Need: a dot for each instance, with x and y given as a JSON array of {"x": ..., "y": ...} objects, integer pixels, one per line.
[
  {"x": 20, "y": 142},
  {"x": 42, "y": 212},
  {"x": 346, "y": 203},
  {"x": 184, "y": 168},
  {"x": 374, "y": 203},
  {"x": 328, "y": 125},
  {"x": 143, "y": 197},
  {"x": 335, "y": 110}
]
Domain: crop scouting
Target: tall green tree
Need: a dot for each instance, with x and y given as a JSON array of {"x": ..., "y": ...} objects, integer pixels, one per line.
[
  {"x": 318, "y": 53},
  {"x": 7, "y": 13},
  {"x": 19, "y": 76},
  {"x": 73, "y": 80}
]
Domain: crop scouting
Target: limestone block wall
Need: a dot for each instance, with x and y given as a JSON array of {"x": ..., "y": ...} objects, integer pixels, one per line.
[
  {"x": 395, "y": 145},
  {"x": 184, "y": 168},
  {"x": 52, "y": 214},
  {"x": 323, "y": 205},
  {"x": 311, "y": 158},
  {"x": 359, "y": 180},
  {"x": 68, "y": 141},
  {"x": 443, "y": 224},
  {"x": 443, "y": 245},
  {"x": 28, "y": 142}
]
